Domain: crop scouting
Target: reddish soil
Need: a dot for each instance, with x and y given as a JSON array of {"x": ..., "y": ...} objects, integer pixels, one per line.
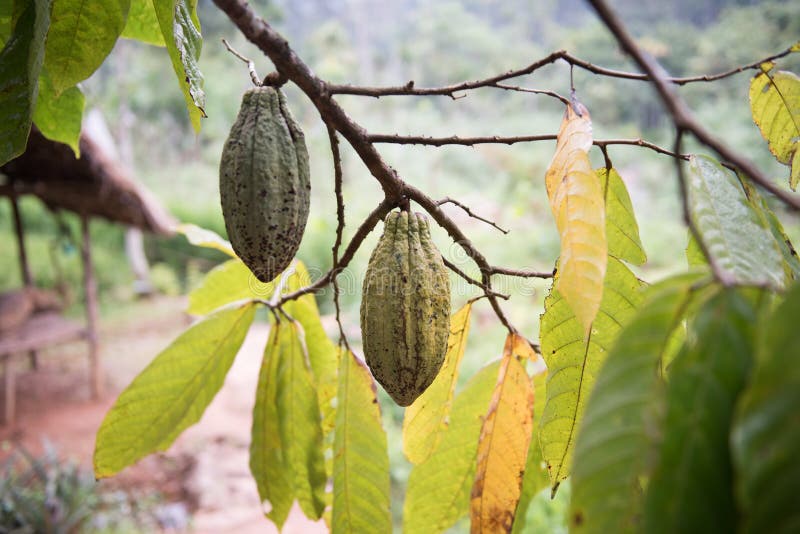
[{"x": 206, "y": 469}]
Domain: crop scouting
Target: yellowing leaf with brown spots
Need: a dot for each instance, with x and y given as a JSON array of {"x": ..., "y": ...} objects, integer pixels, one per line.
[
  {"x": 576, "y": 199},
  {"x": 503, "y": 447},
  {"x": 426, "y": 419}
]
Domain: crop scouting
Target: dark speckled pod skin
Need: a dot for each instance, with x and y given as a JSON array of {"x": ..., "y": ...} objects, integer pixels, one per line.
[
  {"x": 405, "y": 308},
  {"x": 264, "y": 183}
]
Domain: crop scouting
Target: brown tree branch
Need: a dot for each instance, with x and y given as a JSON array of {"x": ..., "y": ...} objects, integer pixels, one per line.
[
  {"x": 468, "y": 211},
  {"x": 289, "y": 65},
  {"x": 486, "y": 291},
  {"x": 337, "y": 186},
  {"x": 363, "y": 231},
  {"x": 409, "y": 88},
  {"x": 510, "y": 140},
  {"x": 522, "y": 273},
  {"x": 681, "y": 115}
]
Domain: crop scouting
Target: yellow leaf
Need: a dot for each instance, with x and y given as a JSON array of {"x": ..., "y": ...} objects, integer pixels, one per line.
[
  {"x": 427, "y": 417},
  {"x": 521, "y": 349},
  {"x": 503, "y": 447},
  {"x": 576, "y": 199},
  {"x": 775, "y": 104},
  {"x": 205, "y": 238}
]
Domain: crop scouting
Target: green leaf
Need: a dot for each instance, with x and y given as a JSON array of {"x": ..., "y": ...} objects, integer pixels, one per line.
[
  {"x": 438, "y": 492},
  {"x": 59, "y": 117},
  {"x": 535, "y": 478},
  {"x": 226, "y": 283},
  {"x": 691, "y": 487},
  {"x": 791, "y": 263},
  {"x": 622, "y": 230},
  {"x": 300, "y": 421},
  {"x": 775, "y": 104},
  {"x": 20, "y": 64},
  {"x": 286, "y": 456},
  {"x": 82, "y": 33},
  {"x": 181, "y": 30},
  {"x": 142, "y": 23},
  {"x": 613, "y": 444},
  {"x": 267, "y": 454},
  {"x": 361, "y": 498},
  {"x": 321, "y": 350},
  {"x": 694, "y": 254},
  {"x": 172, "y": 392},
  {"x": 766, "y": 436},
  {"x": 740, "y": 244},
  {"x": 426, "y": 418},
  {"x": 201, "y": 237},
  {"x": 573, "y": 362}
]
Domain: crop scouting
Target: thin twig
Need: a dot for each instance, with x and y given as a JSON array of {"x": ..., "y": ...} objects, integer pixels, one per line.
[
  {"x": 519, "y": 89},
  {"x": 500, "y": 140},
  {"x": 486, "y": 291},
  {"x": 250, "y": 65},
  {"x": 521, "y": 273},
  {"x": 468, "y": 211},
  {"x": 681, "y": 115},
  {"x": 337, "y": 186},
  {"x": 455, "y": 140},
  {"x": 366, "y": 227},
  {"x": 409, "y": 89}
]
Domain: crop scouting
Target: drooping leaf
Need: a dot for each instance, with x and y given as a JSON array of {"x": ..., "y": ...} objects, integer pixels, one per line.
[
  {"x": 766, "y": 436},
  {"x": 321, "y": 350},
  {"x": 59, "y": 117},
  {"x": 438, "y": 492},
  {"x": 426, "y": 418},
  {"x": 503, "y": 448},
  {"x": 20, "y": 64},
  {"x": 690, "y": 489},
  {"x": 82, "y": 33},
  {"x": 535, "y": 478},
  {"x": 573, "y": 362},
  {"x": 226, "y": 283},
  {"x": 268, "y": 463},
  {"x": 612, "y": 447},
  {"x": 142, "y": 23},
  {"x": 622, "y": 230},
  {"x": 775, "y": 104},
  {"x": 576, "y": 200},
  {"x": 738, "y": 240},
  {"x": 181, "y": 30},
  {"x": 361, "y": 499},
  {"x": 201, "y": 237},
  {"x": 172, "y": 392},
  {"x": 299, "y": 421}
]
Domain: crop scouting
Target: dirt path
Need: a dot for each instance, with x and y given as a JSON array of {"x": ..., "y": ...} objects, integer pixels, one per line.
[{"x": 207, "y": 467}]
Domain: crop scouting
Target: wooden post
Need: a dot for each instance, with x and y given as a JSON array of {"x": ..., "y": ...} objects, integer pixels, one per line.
[
  {"x": 25, "y": 268},
  {"x": 10, "y": 394},
  {"x": 90, "y": 289}
]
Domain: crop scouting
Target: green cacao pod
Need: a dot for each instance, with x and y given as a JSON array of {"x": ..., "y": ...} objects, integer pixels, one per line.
[
  {"x": 405, "y": 308},
  {"x": 264, "y": 183}
]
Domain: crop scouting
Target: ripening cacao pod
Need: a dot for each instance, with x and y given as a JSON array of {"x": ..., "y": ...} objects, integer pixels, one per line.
[
  {"x": 405, "y": 308},
  {"x": 264, "y": 183}
]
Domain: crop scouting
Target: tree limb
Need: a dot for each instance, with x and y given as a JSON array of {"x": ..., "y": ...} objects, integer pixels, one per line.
[{"x": 681, "y": 115}]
